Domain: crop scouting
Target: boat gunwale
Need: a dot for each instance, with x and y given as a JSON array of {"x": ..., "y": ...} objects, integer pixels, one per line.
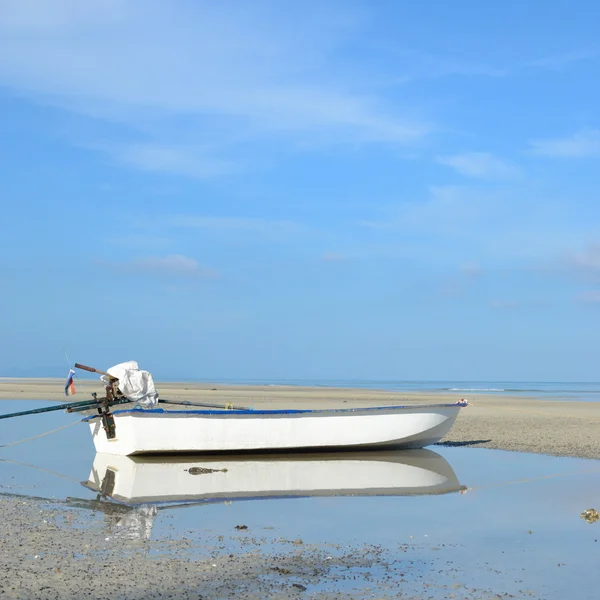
[{"x": 230, "y": 413}]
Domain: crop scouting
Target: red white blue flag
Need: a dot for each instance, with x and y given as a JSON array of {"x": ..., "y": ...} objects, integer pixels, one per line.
[{"x": 70, "y": 385}]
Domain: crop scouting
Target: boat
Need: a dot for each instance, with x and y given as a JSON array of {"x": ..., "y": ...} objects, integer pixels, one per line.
[
  {"x": 146, "y": 428},
  {"x": 150, "y": 431},
  {"x": 143, "y": 480}
]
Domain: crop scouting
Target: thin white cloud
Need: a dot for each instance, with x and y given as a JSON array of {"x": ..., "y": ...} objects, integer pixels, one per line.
[
  {"x": 176, "y": 265},
  {"x": 585, "y": 262},
  {"x": 501, "y": 62},
  {"x": 447, "y": 210},
  {"x": 255, "y": 225},
  {"x": 334, "y": 257},
  {"x": 476, "y": 223},
  {"x": 580, "y": 145},
  {"x": 457, "y": 284},
  {"x": 482, "y": 165},
  {"x": 197, "y": 73},
  {"x": 179, "y": 160},
  {"x": 505, "y": 305},
  {"x": 41, "y": 18},
  {"x": 246, "y": 229},
  {"x": 472, "y": 270},
  {"x": 139, "y": 241},
  {"x": 559, "y": 62},
  {"x": 589, "y": 297}
]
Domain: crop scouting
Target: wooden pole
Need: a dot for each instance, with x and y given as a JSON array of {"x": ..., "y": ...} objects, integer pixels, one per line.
[
  {"x": 228, "y": 406},
  {"x": 85, "y": 403},
  {"x": 92, "y": 370}
]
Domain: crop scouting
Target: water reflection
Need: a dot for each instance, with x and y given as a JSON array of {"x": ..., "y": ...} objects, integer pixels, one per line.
[
  {"x": 132, "y": 490},
  {"x": 150, "y": 480}
]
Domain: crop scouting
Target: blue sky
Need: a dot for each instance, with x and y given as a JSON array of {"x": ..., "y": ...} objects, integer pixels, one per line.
[{"x": 309, "y": 190}]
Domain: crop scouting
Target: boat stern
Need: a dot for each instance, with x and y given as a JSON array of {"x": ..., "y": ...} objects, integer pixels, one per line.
[{"x": 123, "y": 443}]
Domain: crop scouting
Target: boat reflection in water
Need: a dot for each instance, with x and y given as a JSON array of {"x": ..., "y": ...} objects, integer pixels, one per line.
[
  {"x": 140, "y": 486},
  {"x": 137, "y": 480}
]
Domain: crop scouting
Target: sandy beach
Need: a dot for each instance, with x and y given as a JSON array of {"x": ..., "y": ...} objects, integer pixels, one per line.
[
  {"x": 500, "y": 422},
  {"x": 77, "y": 546}
]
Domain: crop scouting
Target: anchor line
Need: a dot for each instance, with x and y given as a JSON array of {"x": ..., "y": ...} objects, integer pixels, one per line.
[
  {"x": 49, "y": 471},
  {"x": 35, "y": 437}
]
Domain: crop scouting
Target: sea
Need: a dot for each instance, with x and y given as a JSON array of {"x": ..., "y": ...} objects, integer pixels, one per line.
[{"x": 543, "y": 390}]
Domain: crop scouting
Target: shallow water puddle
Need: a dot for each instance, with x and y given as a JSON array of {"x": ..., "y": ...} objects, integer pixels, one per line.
[{"x": 463, "y": 521}]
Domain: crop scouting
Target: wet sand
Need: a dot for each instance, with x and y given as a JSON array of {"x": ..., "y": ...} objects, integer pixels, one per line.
[
  {"x": 500, "y": 422},
  {"x": 51, "y": 552}
]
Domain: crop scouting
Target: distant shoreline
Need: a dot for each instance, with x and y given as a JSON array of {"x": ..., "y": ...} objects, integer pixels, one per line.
[
  {"x": 498, "y": 422},
  {"x": 584, "y": 391}
]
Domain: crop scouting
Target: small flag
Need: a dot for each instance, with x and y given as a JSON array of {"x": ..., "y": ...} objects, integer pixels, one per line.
[{"x": 70, "y": 385}]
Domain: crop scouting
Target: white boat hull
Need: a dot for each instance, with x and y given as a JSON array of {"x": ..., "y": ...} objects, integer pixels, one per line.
[{"x": 140, "y": 431}]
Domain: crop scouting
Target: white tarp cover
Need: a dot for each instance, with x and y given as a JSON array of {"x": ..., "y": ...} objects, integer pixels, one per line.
[{"x": 134, "y": 384}]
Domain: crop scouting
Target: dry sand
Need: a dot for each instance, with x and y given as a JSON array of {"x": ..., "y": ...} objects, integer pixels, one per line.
[{"x": 501, "y": 422}]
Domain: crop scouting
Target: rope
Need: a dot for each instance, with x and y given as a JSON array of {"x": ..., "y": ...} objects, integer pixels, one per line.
[
  {"x": 35, "y": 437},
  {"x": 22, "y": 464}
]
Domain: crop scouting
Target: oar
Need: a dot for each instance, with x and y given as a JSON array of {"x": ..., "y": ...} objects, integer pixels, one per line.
[
  {"x": 113, "y": 403},
  {"x": 50, "y": 408},
  {"x": 69, "y": 405},
  {"x": 84, "y": 404},
  {"x": 206, "y": 404}
]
